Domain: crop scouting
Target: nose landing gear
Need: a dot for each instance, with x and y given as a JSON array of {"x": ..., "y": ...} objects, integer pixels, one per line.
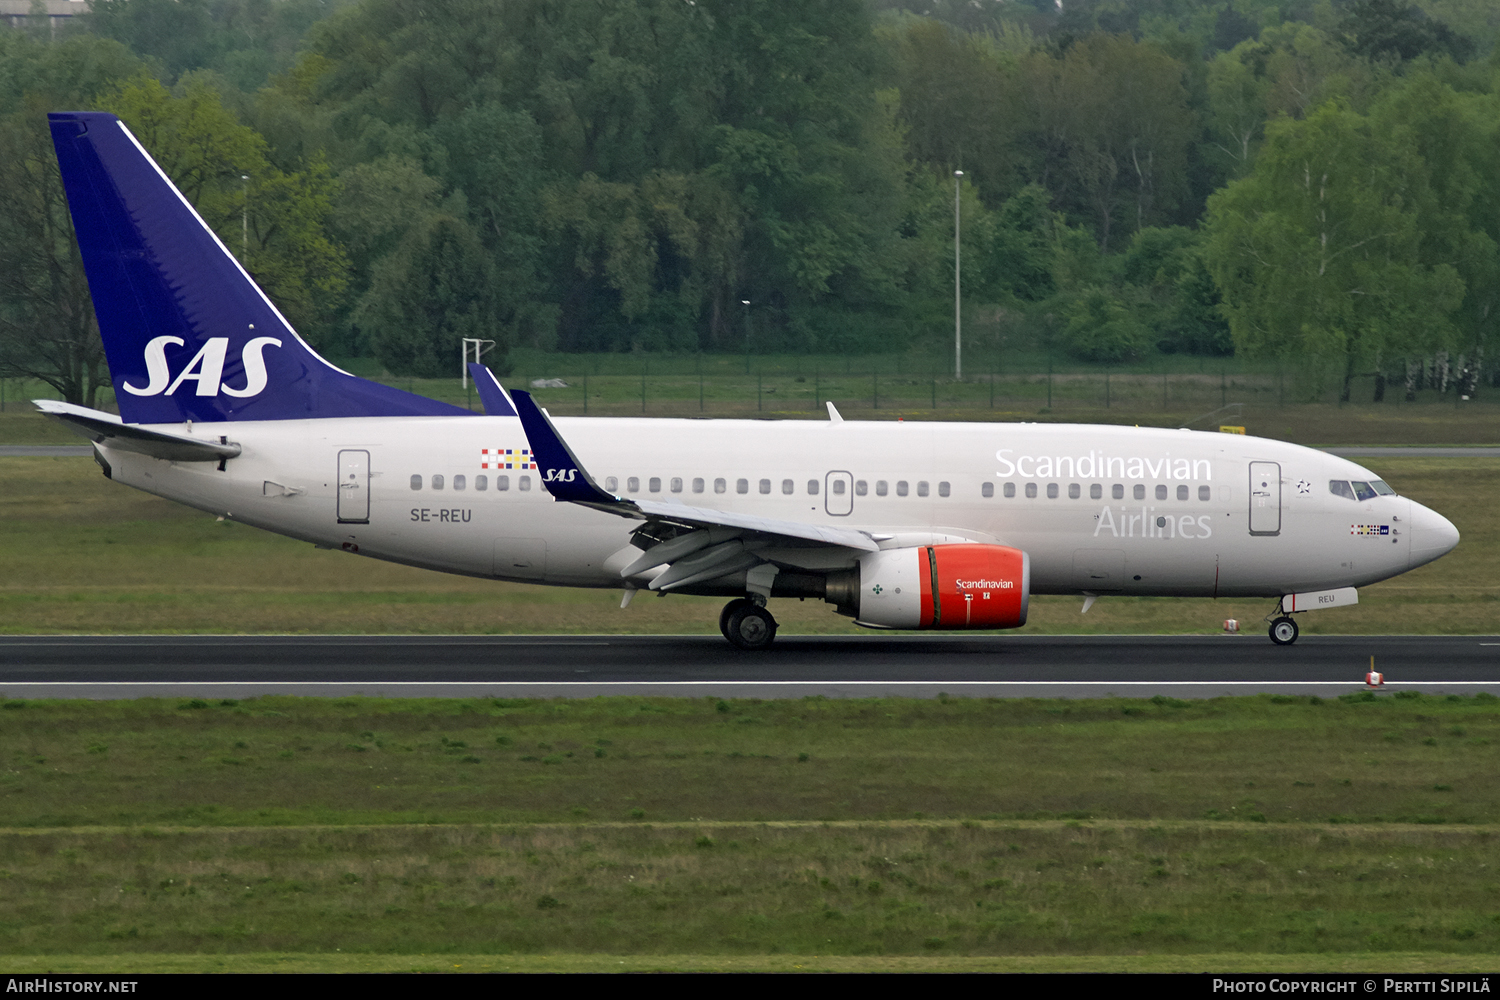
[
  {"x": 747, "y": 625},
  {"x": 1284, "y": 631}
]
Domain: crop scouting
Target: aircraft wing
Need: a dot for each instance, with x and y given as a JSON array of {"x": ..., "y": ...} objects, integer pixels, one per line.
[
  {"x": 698, "y": 543},
  {"x": 106, "y": 428}
]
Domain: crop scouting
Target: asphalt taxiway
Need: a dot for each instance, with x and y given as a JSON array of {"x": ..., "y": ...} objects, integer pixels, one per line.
[{"x": 693, "y": 666}]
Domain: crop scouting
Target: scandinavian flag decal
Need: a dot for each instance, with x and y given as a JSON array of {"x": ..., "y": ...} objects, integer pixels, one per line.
[{"x": 506, "y": 458}]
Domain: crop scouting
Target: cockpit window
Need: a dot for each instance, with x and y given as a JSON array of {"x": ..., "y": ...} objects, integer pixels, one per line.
[
  {"x": 1362, "y": 491},
  {"x": 1382, "y": 488},
  {"x": 1340, "y": 488}
]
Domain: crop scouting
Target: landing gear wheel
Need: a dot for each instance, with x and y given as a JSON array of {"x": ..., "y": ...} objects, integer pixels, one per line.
[
  {"x": 728, "y": 612},
  {"x": 751, "y": 628},
  {"x": 1283, "y": 631}
]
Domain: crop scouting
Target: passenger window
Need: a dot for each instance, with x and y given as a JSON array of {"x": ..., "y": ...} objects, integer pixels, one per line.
[
  {"x": 437, "y": 482},
  {"x": 1340, "y": 488},
  {"x": 901, "y": 488},
  {"x": 1117, "y": 491},
  {"x": 720, "y": 486},
  {"x": 1205, "y": 492},
  {"x": 838, "y": 487},
  {"x": 611, "y": 483},
  {"x": 633, "y": 484},
  {"x": 416, "y": 482},
  {"x": 987, "y": 490},
  {"x": 1362, "y": 491},
  {"x": 1182, "y": 492},
  {"x": 1096, "y": 491},
  {"x": 502, "y": 483},
  {"x": 861, "y": 487},
  {"x": 524, "y": 483},
  {"x": 1161, "y": 491},
  {"x": 787, "y": 487},
  {"x": 944, "y": 489},
  {"x": 1140, "y": 491},
  {"x": 922, "y": 488},
  {"x": 481, "y": 483},
  {"x": 676, "y": 484},
  {"x": 1051, "y": 491},
  {"x": 459, "y": 482},
  {"x": 765, "y": 486},
  {"x": 812, "y": 487},
  {"x": 742, "y": 486},
  {"x": 1010, "y": 489},
  {"x": 654, "y": 486},
  {"x": 881, "y": 489},
  {"x": 1074, "y": 491},
  {"x": 697, "y": 486},
  {"x": 1031, "y": 491}
]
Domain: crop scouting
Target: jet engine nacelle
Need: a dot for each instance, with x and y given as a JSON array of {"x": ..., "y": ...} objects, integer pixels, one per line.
[{"x": 944, "y": 586}]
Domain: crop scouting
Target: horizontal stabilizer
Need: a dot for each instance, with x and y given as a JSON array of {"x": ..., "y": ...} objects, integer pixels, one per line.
[
  {"x": 108, "y": 430},
  {"x": 492, "y": 394}
]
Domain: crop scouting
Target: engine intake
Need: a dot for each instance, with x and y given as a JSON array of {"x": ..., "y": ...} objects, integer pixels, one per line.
[{"x": 939, "y": 586}]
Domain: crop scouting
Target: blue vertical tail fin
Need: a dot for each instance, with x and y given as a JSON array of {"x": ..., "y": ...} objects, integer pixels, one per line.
[
  {"x": 492, "y": 394},
  {"x": 187, "y": 333}
]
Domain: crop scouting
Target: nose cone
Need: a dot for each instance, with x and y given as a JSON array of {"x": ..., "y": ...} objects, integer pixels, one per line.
[{"x": 1432, "y": 535}]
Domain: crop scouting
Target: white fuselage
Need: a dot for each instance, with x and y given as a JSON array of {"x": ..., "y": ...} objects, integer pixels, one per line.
[{"x": 1099, "y": 509}]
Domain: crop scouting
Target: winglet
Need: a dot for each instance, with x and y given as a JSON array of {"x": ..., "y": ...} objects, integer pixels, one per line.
[
  {"x": 492, "y": 394},
  {"x": 562, "y": 473},
  {"x": 833, "y": 414}
]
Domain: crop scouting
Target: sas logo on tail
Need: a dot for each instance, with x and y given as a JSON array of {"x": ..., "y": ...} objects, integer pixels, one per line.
[
  {"x": 206, "y": 368},
  {"x": 560, "y": 475}
]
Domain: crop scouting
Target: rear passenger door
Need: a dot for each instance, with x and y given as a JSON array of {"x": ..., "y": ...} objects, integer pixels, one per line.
[{"x": 354, "y": 487}]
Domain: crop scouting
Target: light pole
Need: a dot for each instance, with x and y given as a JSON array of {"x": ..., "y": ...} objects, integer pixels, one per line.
[
  {"x": 746, "y": 304},
  {"x": 244, "y": 217},
  {"x": 958, "y": 329}
]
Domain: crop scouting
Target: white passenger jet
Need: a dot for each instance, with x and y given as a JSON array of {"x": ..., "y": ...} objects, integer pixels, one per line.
[{"x": 223, "y": 407}]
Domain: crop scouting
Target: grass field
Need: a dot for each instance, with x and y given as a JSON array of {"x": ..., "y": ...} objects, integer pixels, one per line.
[
  {"x": 1256, "y": 834},
  {"x": 1269, "y": 826},
  {"x": 82, "y": 554}
]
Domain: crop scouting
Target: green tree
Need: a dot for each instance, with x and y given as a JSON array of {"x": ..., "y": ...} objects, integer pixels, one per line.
[
  {"x": 1389, "y": 29},
  {"x": 1117, "y": 124},
  {"x": 275, "y": 221},
  {"x": 963, "y": 106},
  {"x": 1102, "y": 328},
  {"x": 47, "y": 326},
  {"x": 434, "y": 290},
  {"x": 1319, "y": 252},
  {"x": 1455, "y": 136}
]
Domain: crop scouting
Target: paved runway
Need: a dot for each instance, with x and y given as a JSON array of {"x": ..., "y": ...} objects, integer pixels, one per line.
[{"x": 798, "y": 666}]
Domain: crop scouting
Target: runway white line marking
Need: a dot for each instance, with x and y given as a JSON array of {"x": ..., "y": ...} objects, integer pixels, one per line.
[{"x": 722, "y": 683}]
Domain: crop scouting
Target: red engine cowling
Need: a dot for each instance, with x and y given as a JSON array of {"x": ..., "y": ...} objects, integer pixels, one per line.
[{"x": 945, "y": 586}]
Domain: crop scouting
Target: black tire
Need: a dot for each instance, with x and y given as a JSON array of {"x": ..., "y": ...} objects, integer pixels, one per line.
[
  {"x": 751, "y": 628},
  {"x": 728, "y": 612},
  {"x": 1284, "y": 631}
]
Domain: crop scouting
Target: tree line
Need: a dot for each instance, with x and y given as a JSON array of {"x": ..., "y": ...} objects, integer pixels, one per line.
[{"x": 1305, "y": 180}]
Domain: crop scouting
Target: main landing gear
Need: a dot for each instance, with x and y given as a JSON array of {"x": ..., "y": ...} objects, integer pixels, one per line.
[
  {"x": 747, "y": 625},
  {"x": 1283, "y": 631}
]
